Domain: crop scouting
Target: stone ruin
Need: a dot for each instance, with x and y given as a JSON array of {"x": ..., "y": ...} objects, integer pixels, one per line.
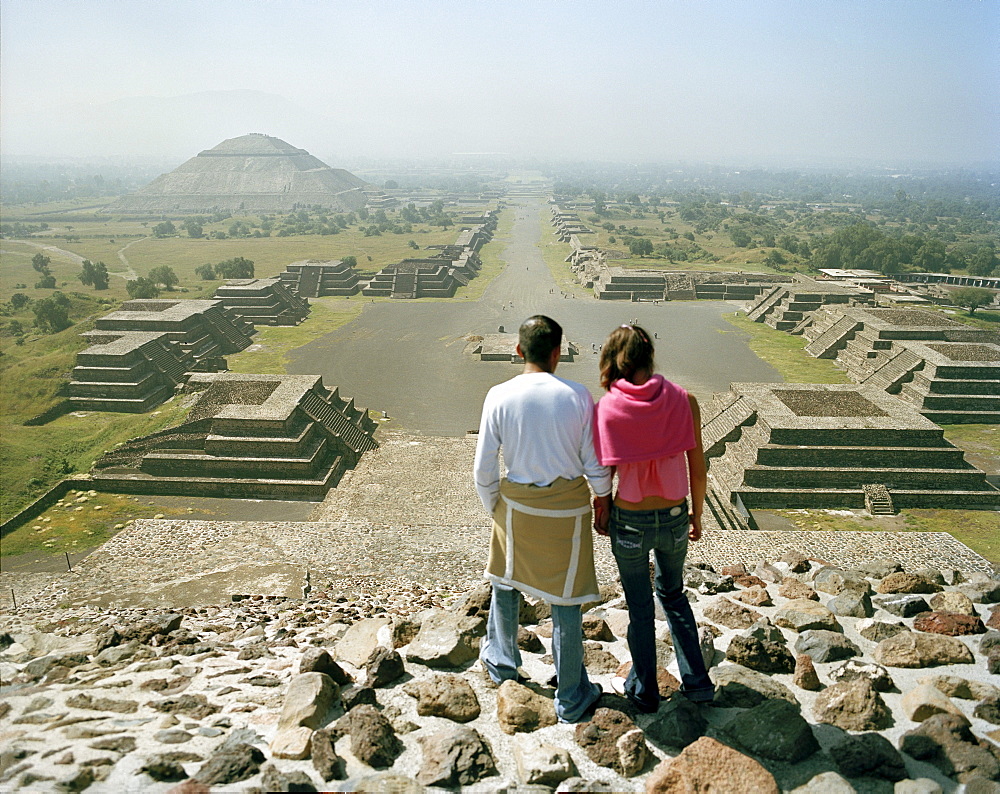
[
  {"x": 316, "y": 278},
  {"x": 127, "y": 371},
  {"x": 503, "y": 347},
  {"x": 251, "y": 173},
  {"x": 436, "y": 276},
  {"x": 789, "y": 307},
  {"x": 140, "y": 353},
  {"x": 263, "y": 301},
  {"x": 247, "y": 436},
  {"x": 632, "y": 284},
  {"x": 790, "y": 445},
  {"x": 948, "y": 370}
]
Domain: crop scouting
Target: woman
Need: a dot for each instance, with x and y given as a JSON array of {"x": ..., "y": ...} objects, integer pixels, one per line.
[{"x": 649, "y": 429}]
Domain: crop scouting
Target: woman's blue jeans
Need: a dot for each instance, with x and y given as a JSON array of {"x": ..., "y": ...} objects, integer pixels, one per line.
[{"x": 634, "y": 534}]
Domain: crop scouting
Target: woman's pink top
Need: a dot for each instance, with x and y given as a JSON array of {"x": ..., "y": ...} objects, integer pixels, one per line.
[
  {"x": 666, "y": 477},
  {"x": 645, "y": 430}
]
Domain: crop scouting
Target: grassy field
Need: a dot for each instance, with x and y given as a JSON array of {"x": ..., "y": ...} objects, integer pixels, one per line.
[
  {"x": 785, "y": 353},
  {"x": 977, "y": 529}
]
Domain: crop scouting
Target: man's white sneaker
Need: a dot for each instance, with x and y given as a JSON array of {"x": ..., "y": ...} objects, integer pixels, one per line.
[{"x": 618, "y": 684}]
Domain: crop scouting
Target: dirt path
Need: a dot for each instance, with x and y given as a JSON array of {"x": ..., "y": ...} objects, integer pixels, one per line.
[
  {"x": 76, "y": 258},
  {"x": 129, "y": 273},
  {"x": 406, "y": 357}
]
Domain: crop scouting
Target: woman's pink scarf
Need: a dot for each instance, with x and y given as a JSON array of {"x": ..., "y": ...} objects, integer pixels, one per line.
[{"x": 636, "y": 423}]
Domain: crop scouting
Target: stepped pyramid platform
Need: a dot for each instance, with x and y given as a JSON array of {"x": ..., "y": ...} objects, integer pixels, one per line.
[
  {"x": 503, "y": 347},
  {"x": 315, "y": 278},
  {"x": 251, "y": 173},
  {"x": 949, "y": 370},
  {"x": 263, "y": 301},
  {"x": 617, "y": 283},
  {"x": 788, "y": 307},
  {"x": 203, "y": 329},
  {"x": 823, "y": 446},
  {"x": 417, "y": 278},
  {"x": 250, "y": 436},
  {"x": 129, "y": 371}
]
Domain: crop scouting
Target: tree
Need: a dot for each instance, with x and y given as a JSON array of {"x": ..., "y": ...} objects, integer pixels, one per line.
[
  {"x": 41, "y": 262},
  {"x": 206, "y": 272},
  {"x": 51, "y": 315},
  {"x": 165, "y": 275},
  {"x": 350, "y": 261},
  {"x": 238, "y": 267},
  {"x": 972, "y": 298},
  {"x": 930, "y": 257},
  {"x": 19, "y": 300},
  {"x": 983, "y": 262},
  {"x": 413, "y": 245},
  {"x": 46, "y": 282},
  {"x": 740, "y": 238},
  {"x": 142, "y": 288},
  {"x": 94, "y": 274},
  {"x": 640, "y": 246},
  {"x": 194, "y": 229},
  {"x": 164, "y": 229}
]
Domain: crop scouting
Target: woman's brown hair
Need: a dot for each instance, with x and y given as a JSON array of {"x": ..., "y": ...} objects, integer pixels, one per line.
[{"x": 626, "y": 351}]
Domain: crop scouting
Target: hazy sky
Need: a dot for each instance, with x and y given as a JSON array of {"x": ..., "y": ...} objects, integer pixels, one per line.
[{"x": 743, "y": 81}]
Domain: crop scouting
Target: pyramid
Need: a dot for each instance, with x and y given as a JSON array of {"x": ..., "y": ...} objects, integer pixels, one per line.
[{"x": 252, "y": 173}]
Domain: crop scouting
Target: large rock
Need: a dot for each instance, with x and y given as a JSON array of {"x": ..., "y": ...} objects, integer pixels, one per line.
[
  {"x": 384, "y": 666},
  {"x": 926, "y": 700},
  {"x": 853, "y": 669},
  {"x": 519, "y": 709},
  {"x": 774, "y": 729},
  {"x": 764, "y": 570},
  {"x": 796, "y": 560},
  {"x": 678, "y": 723},
  {"x": 709, "y": 766},
  {"x": 360, "y": 640},
  {"x": 446, "y": 640},
  {"x": 597, "y": 629},
  {"x": 795, "y": 590},
  {"x": 604, "y": 738},
  {"x": 955, "y": 687},
  {"x": 731, "y": 615},
  {"x": 853, "y": 706},
  {"x": 230, "y": 764},
  {"x": 834, "y": 581},
  {"x": 707, "y": 582},
  {"x": 913, "y": 649},
  {"x": 453, "y": 757},
  {"x": 542, "y": 764},
  {"x": 325, "y": 760},
  {"x": 448, "y": 696},
  {"x": 825, "y": 646},
  {"x": 764, "y": 656},
  {"x": 151, "y": 630},
  {"x": 851, "y": 604},
  {"x": 805, "y": 675},
  {"x": 951, "y": 624},
  {"x": 803, "y": 614},
  {"x": 902, "y": 605},
  {"x": 308, "y": 701},
  {"x": 988, "y": 709},
  {"x": 946, "y": 741},
  {"x": 878, "y": 630},
  {"x": 755, "y": 596},
  {"x": 868, "y": 755},
  {"x": 901, "y": 582},
  {"x": 739, "y": 687},
  {"x": 373, "y": 741},
  {"x": 764, "y": 629},
  {"x": 879, "y": 569},
  {"x": 318, "y": 660},
  {"x": 984, "y": 592},
  {"x": 952, "y": 602}
]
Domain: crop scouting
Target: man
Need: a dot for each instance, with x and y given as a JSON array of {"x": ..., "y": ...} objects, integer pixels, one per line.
[{"x": 541, "y": 542}]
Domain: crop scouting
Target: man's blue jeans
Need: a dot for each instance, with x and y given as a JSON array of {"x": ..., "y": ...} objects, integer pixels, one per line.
[
  {"x": 634, "y": 534},
  {"x": 502, "y": 657}
]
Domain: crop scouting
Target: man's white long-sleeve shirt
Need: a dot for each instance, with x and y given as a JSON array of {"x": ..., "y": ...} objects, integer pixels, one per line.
[{"x": 545, "y": 426}]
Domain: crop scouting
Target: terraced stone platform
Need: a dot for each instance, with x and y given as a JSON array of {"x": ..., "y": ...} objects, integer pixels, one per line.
[
  {"x": 503, "y": 347},
  {"x": 263, "y": 301},
  {"x": 315, "y": 278},
  {"x": 820, "y": 446},
  {"x": 263, "y": 436}
]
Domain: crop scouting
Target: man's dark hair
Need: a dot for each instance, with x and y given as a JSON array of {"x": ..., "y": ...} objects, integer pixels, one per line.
[{"x": 538, "y": 336}]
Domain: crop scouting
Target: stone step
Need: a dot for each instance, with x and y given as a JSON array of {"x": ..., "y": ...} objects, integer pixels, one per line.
[{"x": 846, "y": 477}]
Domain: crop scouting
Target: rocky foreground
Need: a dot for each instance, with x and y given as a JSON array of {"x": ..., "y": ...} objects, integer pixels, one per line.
[{"x": 828, "y": 680}]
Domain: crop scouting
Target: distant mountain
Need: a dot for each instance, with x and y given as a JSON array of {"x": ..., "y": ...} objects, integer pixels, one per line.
[{"x": 171, "y": 126}]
